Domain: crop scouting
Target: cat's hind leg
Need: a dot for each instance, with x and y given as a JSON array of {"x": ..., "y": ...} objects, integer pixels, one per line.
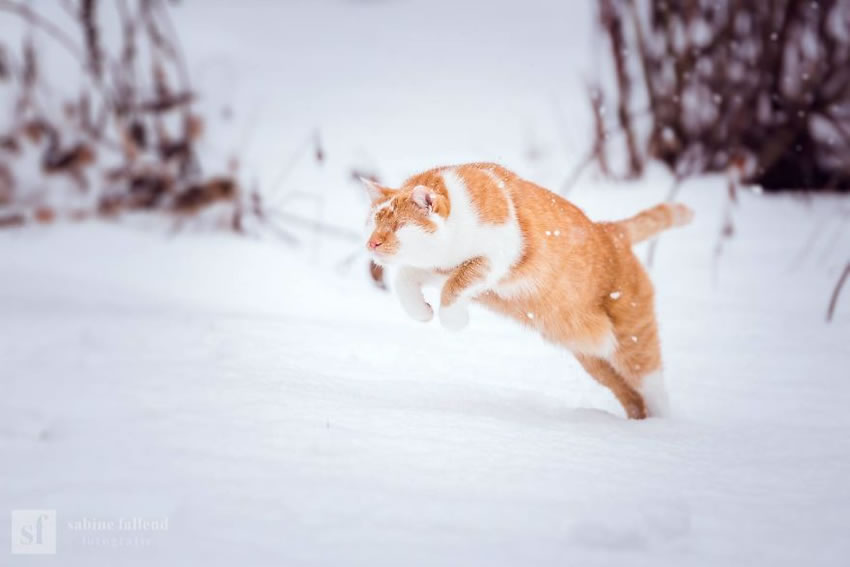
[
  {"x": 638, "y": 360},
  {"x": 654, "y": 392},
  {"x": 606, "y": 375}
]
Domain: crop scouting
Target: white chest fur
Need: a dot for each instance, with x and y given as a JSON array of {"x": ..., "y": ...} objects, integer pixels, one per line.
[{"x": 468, "y": 236}]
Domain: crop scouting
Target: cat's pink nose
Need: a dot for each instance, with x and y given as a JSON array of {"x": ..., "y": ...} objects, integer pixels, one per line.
[{"x": 374, "y": 243}]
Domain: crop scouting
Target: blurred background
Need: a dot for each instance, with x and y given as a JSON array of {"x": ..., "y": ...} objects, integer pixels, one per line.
[{"x": 191, "y": 333}]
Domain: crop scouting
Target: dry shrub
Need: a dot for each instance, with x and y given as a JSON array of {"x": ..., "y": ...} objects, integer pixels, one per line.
[
  {"x": 126, "y": 141},
  {"x": 762, "y": 87}
]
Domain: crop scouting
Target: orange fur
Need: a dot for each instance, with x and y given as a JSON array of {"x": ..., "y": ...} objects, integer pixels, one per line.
[
  {"x": 400, "y": 211},
  {"x": 578, "y": 283},
  {"x": 650, "y": 222},
  {"x": 492, "y": 205},
  {"x": 470, "y": 272},
  {"x": 433, "y": 181}
]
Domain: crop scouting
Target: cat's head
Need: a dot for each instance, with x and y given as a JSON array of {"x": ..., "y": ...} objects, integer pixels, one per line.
[{"x": 405, "y": 225}]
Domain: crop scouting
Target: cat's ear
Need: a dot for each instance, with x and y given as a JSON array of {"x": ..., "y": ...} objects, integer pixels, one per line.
[
  {"x": 423, "y": 197},
  {"x": 375, "y": 190}
]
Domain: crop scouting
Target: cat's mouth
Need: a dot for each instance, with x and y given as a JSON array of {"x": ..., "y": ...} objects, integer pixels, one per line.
[
  {"x": 380, "y": 257},
  {"x": 383, "y": 255},
  {"x": 380, "y": 249}
]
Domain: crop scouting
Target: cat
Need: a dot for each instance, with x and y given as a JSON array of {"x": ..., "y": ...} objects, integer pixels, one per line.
[{"x": 484, "y": 234}]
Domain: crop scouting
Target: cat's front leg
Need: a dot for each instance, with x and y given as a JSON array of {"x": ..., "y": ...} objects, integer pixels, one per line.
[
  {"x": 464, "y": 282},
  {"x": 408, "y": 287}
]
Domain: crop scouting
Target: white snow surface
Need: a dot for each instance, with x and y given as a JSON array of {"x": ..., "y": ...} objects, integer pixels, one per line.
[
  {"x": 279, "y": 413},
  {"x": 277, "y": 409}
]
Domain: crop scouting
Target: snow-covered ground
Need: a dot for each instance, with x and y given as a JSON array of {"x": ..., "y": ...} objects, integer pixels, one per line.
[{"x": 268, "y": 406}]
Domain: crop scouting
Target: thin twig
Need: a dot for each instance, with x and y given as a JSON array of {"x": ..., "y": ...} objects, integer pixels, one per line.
[
  {"x": 573, "y": 177},
  {"x": 179, "y": 57},
  {"x": 809, "y": 243},
  {"x": 282, "y": 233},
  {"x": 612, "y": 20},
  {"x": 671, "y": 195},
  {"x": 727, "y": 229},
  {"x": 46, "y": 25},
  {"x": 836, "y": 292},
  {"x": 833, "y": 239},
  {"x": 293, "y": 161},
  {"x": 317, "y": 226},
  {"x": 344, "y": 265}
]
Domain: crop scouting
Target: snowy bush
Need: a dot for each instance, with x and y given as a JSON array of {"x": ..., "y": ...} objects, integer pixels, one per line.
[
  {"x": 759, "y": 87},
  {"x": 121, "y": 137}
]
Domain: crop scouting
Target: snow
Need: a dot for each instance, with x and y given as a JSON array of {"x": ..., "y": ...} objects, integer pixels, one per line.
[
  {"x": 274, "y": 408},
  {"x": 277, "y": 412}
]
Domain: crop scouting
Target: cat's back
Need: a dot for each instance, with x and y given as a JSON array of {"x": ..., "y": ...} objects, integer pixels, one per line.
[
  {"x": 497, "y": 188},
  {"x": 555, "y": 232},
  {"x": 477, "y": 193},
  {"x": 490, "y": 195}
]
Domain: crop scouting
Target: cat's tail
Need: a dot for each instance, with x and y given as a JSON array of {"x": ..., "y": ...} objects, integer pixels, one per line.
[{"x": 650, "y": 222}]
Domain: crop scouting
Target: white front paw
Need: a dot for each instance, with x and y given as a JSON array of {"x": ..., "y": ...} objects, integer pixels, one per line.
[
  {"x": 418, "y": 310},
  {"x": 454, "y": 317}
]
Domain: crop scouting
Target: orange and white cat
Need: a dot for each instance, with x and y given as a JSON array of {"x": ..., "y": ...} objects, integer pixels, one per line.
[{"x": 484, "y": 234}]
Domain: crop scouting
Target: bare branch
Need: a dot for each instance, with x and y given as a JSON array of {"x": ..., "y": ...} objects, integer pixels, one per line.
[
  {"x": 833, "y": 302},
  {"x": 46, "y": 25},
  {"x": 671, "y": 196}
]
